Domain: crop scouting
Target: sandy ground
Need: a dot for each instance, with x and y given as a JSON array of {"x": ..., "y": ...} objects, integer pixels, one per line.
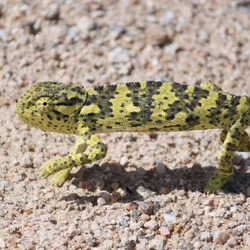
[{"x": 147, "y": 192}]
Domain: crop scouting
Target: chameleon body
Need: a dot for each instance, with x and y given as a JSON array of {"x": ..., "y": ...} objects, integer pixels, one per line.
[{"x": 134, "y": 107}]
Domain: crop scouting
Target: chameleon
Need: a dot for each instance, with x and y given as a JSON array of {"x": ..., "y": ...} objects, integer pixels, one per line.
[{"x": 144, "y": 106}]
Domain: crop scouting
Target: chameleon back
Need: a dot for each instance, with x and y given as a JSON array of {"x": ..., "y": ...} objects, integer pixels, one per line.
[{"x": 156, "y": 106}]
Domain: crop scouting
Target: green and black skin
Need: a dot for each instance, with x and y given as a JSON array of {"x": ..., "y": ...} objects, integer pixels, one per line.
[{"x": 134, "y": 107}]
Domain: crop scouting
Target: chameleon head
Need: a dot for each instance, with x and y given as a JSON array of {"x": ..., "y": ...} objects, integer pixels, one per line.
[{"x": 52, "y": 106}]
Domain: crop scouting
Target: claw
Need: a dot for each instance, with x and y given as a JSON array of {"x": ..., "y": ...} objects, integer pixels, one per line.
[
  {"x": 60, "y": 177},
  {"x": 209, "y": 189},
  {"x": 47, "y": 169}
]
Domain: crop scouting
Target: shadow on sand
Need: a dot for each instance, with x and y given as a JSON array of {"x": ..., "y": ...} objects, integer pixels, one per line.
[{"x": 111, "y": 177}]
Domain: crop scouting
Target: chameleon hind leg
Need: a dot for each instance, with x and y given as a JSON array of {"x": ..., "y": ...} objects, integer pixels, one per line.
[
  {"x": 61, "y": 167},
  {"x": 231, "y": 143},
  {"x": 244, "y": 145}
]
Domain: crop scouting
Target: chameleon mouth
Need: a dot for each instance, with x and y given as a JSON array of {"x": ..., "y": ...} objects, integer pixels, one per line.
[{"x": 24, "y": 113}]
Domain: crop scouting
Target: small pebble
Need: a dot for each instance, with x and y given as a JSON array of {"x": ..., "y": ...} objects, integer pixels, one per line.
[
  {"x": 101, "y": 201},
  {"x": 85, "y": 24},
  {"x": 151, "y": 224},
  {"x": 157, "y": 243},
  {"x": 164, "y": 231},
  {"x": 169, "y": 218},
  {"x": 124, "y": 160},
  {"x": 206, "y": 236},
  {"x": 53, "y": 12},
  {"x": 32, "y": 177},
  {"x": 221, "y": 237},
  {"x": 240, "y": 229},
  {"x": 158, "y": 35},
  {"x": 232, "y": 242},
  {"x": 132, "y": 206},
  {"x": 116, "y": 31},
  {"x": 161, "y": 168},
  {"x": 118, "y": 55},
  {"x": 147, "y": 208}
]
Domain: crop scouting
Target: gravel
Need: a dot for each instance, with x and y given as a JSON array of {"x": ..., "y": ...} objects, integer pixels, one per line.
[{"x": 147, "y": 192}]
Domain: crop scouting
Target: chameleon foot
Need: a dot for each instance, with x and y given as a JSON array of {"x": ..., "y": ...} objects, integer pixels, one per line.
[
  {"x": 50, "y": 167},
  {"x": 216, "y": 181},
  {"x": 60, "y": 167},
  {"x": 60, "y": 177}
]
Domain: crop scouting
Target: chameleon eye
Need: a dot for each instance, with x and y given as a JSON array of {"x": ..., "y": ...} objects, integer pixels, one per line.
[{"x": 45, "y": 104}]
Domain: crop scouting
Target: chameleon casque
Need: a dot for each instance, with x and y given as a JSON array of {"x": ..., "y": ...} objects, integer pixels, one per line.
[{"x": 134, "y": 107}]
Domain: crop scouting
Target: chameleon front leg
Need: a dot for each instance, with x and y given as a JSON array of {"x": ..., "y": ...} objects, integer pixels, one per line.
[
  {"x": 231, "y": 144},
  {"x": 61, "y": 167}
]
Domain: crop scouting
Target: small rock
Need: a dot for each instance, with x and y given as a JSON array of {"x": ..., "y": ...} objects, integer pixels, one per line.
[
  {"x": 123, "y": 220},
  {"x": 93, "y": 5},
  {"x": 13, "y": 229},
  {"x": 147, "y": 208},
  {"x": 124, "y": 160},
  {"x": 132, "y": 206},
  {"x": 63, "y": 151},
  {"x": 145, "y": 217},
  {"x": 121, "y": 192},
  {"x": 34, "y": 27},
  {"x": 232, "y": 242},
  {"x": 17, "y": 178},
  {"x": 171, "y": 49},
  {"x": 136, "y": 213},
  {"x": 2, "y": 243},
  {"x": 106, "y": 196},
  {"x": 101, "y": 201},
  {"x": 118, "y": 55},
  {"x": 53, "y": 13},
  {"x": 71, "y": 231},
  {"x": 3, "y": 36},
  {"x": 116, "y": 31},
  {"x": 169, "y": 218},
  {"x": 205, "y": 247},
  {"x": 151, "y": 224},
  {"x": 157, "y": 243},
  {"x": 206, "y": 236},
  {"x": 233, "y": 209},
  {"x": 167, "y": 18},
  {"x": 246, "y": 238},
  {"x": 161, "y": 168},
  {"x": 244, "y": 7},
  {"x": 164, "y": 231},
  {"x": 86, "y": 24},
  {"x": 4, "y": 223},
  {"x": 240, "y": 229},
  {"x": 141, "y": 171},
  {"x": 144, "y": 192},
  {"x": 197, "y": 245},
  {"x": 184, "y": 158},
  {"x": 158, "y": 35},
  {"x": 45, "y": 217},
  {"x": 221, "y": 237},
  {"x": 231, "y": 224},
  {"x": 5, "y": 185},
  {"x": 32, "y": 177}
]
